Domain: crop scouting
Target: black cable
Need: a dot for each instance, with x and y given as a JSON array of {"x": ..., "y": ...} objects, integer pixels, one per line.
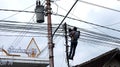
[
  {"x": 17, "y": 10},
  {"x": 79, "y": 0},
  {"x": 24, "y": 35},
  {"x": 19, "y": 39},
  {"x": 36, "y": 28},
  {"x": 99, "y": 6},
  {"x": 17, "y": 13},
  {"x": 88, "y": 23},
  {"x": 101, "y": 42},
  {"x": 87, "y": 33},
  {"x": 64, "y": 18}
]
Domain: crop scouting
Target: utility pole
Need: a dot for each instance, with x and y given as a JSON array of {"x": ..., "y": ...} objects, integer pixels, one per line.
[
  {"x": 50, "y": 39},
  {"x": 67, "y": 46}
]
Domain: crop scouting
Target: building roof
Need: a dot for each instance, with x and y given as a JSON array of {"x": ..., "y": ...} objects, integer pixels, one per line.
[
  {"x": 23, "y": 61},
  {"x": 102, "y": 59}
]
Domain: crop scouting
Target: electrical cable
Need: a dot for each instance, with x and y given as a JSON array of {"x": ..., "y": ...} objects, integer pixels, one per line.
[
  {"x": 99, "y": 36},
  {"x": 24, "y": 33},
  {"x": 76, "y": 17},
  {"x": 89, "y": 23},
  {"x": 17, "y": 10},
  {"x": 17, "y": 13},
  {"x": 100, "y": 43},
  {"x": 17, "y": 40},
  {"x": 99, "y": 6},
  {"x": 85, "y": 32},
  {"x": 92, "y": 36},
  {"x": 95, "y": 33},
  {"x": 64, "y": 18},
  {"x": 80, "y": 29},
  {"x": 67, "y": 17},
  {"x": 82, "y": 35},
  {"x": 113, "y": 24},
  {"x": 44, "y": 29},
  {"x": 101, "y": 39},
  {"x": 79, "y": 0}
]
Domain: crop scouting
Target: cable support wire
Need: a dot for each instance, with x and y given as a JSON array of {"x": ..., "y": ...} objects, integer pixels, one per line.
[
  {"x": 99, "y": 6},
  {"x": 18, "y": 12},
  {"x": 81, "y": 39},
  {"x": 90, "y": 23},
  {"x": 78, "y": 0},
  {"x": 11, "y": 35},
  {"x": 43, "y": 28},
  {"x": 98, "y": 36},
  {"x": 72, "y": 19},
  {"x": 29, "y": 31},
  {"x": 101, "y": 39},
  {"x": 86, "y": 33},
  {"x": 100, "y": 43},
  {"x": 26, "y": 26},
  {"x": 19, "y": 38},
  {"x": 22, "y": 24},
  {"x": 95, "y": 33},
  {"x": 102, "y": 35},
  {"x": 82, "y": 35},
  {"x": 95, "y": 40},
  {"x": 20, "y": 27},
  {"x": 65, "y": 17},
  {"x": 37, "y": 30}
]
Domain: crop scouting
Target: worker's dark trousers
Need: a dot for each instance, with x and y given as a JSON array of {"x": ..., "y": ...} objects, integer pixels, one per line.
[{"x": 72, "y": 49}]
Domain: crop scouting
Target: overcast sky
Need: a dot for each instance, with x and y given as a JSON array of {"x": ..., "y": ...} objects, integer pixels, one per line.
[{"x": 85, "y": 51}]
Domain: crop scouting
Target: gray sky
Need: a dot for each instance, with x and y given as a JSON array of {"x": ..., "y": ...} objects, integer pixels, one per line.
[{"x": 85, "y": 51}]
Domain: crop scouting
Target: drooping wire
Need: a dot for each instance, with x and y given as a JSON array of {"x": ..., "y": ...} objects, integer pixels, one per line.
[
  {"x": 89, "y": 23},
  {"x": 18, "y": 39},
  {"x": 99, "y": 36},
  {"x": 77, "y": 17},
  {"x": 64, "y": 17},
  {"x": 99, "y": 6},
  {"x": 101, "y": 43},
  {"x": 96, "y": 36},
  {"x": 18, "y": 12}
]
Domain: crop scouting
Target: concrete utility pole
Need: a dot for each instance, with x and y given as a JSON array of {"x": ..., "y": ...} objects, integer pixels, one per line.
[
  {"x": 50, "y": 40},
  {"x": 67, "y": 46}
]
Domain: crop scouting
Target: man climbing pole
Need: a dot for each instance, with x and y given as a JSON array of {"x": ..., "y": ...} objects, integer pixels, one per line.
[{"x": 74, "y": 35}]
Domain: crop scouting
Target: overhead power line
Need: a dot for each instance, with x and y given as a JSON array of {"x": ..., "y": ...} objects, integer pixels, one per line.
[
  {"x": 72, "y": 19},
  {"x": 99, "y": 6},
  {"x": 89, "y": 23},
  {"x": 78, "y": 0},
  {"x": 35, "y": 29},
  {"x": 101, "y": 43},
  {"x": 17, "y": 10},
  {"x": 84, "y": 33}
]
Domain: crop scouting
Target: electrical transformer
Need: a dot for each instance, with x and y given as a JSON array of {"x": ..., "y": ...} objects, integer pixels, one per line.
[{"x": 39, "y": 11}]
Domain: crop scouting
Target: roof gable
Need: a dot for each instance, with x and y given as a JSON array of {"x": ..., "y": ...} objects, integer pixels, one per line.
[{"x": 102, "y": 59}]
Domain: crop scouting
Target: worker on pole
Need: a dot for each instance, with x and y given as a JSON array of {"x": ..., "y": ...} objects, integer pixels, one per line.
[{"x": 74, "y": 35}]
